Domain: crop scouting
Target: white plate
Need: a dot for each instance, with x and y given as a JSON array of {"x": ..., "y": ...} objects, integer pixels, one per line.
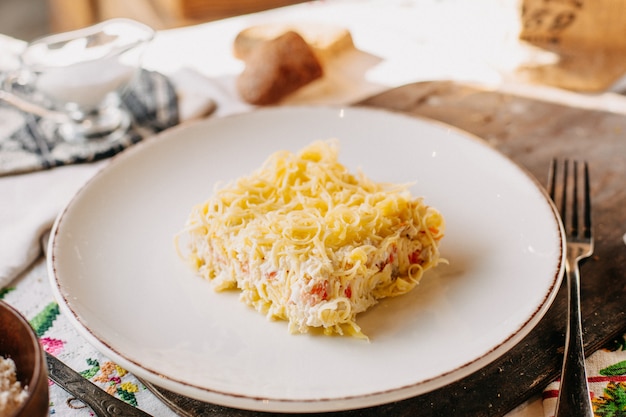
[{"x": 116, "y": 274}]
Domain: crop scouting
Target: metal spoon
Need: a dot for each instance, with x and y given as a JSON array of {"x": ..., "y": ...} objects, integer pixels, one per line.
[{"x": 29, "y": 107}]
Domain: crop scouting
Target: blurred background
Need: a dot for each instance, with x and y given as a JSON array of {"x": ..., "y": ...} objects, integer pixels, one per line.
[
  {"x": 24, "y": 19},
  {"x": 564, "y": 44},
  {"x": 29, "y": 19}
]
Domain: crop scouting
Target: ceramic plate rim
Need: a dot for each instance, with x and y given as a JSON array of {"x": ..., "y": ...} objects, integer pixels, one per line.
[{"x": 287, "y": 404}]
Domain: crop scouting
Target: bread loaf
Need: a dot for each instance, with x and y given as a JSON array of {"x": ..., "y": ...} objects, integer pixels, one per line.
[
  {"x": 326, "y": 41},
  {"x": 276, "y": 68}
]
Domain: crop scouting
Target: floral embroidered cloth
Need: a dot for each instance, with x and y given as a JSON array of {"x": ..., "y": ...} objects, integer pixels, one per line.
[{"x": 606, "y": 371}]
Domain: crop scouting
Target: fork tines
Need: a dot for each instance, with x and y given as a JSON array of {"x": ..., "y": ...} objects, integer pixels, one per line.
[{"x": 565, "y": 190}]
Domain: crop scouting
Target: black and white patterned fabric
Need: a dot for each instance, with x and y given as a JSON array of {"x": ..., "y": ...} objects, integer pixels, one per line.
[{"x": 27, "y": 145}]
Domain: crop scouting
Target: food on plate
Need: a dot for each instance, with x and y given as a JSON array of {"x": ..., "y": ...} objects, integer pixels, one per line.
[
  {"x": 277, "y": 68},
  {"x": 12, "y": 394},
  {"x": 309, "y": 242}
]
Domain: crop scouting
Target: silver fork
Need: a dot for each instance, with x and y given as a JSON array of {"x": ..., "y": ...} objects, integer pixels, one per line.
[{"x": 574, "y": 206}]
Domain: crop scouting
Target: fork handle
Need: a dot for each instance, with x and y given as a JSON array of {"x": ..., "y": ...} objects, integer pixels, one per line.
[{"x": 574, "y": 398}]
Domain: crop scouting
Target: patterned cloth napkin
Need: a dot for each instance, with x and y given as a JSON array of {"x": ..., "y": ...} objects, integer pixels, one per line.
[{"x": 28, "y": 144}]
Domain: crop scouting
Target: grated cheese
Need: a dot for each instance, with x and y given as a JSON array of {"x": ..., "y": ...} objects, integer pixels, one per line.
[
  {"x": 12, "y": 394},
  {"x": 308, "y": 242}
]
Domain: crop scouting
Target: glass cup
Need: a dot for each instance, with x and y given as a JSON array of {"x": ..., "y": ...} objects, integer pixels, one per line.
[{"x": 74, "y": 79}]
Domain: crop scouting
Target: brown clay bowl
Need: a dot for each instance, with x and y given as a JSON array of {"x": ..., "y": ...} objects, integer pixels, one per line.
[{"x": 19, "y": 342}]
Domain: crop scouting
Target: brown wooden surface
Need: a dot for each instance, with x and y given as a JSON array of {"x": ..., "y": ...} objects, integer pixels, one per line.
[{"x": 531, "y": 133}]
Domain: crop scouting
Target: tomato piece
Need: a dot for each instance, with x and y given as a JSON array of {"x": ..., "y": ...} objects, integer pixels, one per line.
[
  {"x": 348, "y": 292},
  {"x": 414, "y": 257},
  {"x": 319, "y": 291}
]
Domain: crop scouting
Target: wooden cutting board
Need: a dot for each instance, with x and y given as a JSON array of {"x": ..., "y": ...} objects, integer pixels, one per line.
[{"x": 531, "y": 133}]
